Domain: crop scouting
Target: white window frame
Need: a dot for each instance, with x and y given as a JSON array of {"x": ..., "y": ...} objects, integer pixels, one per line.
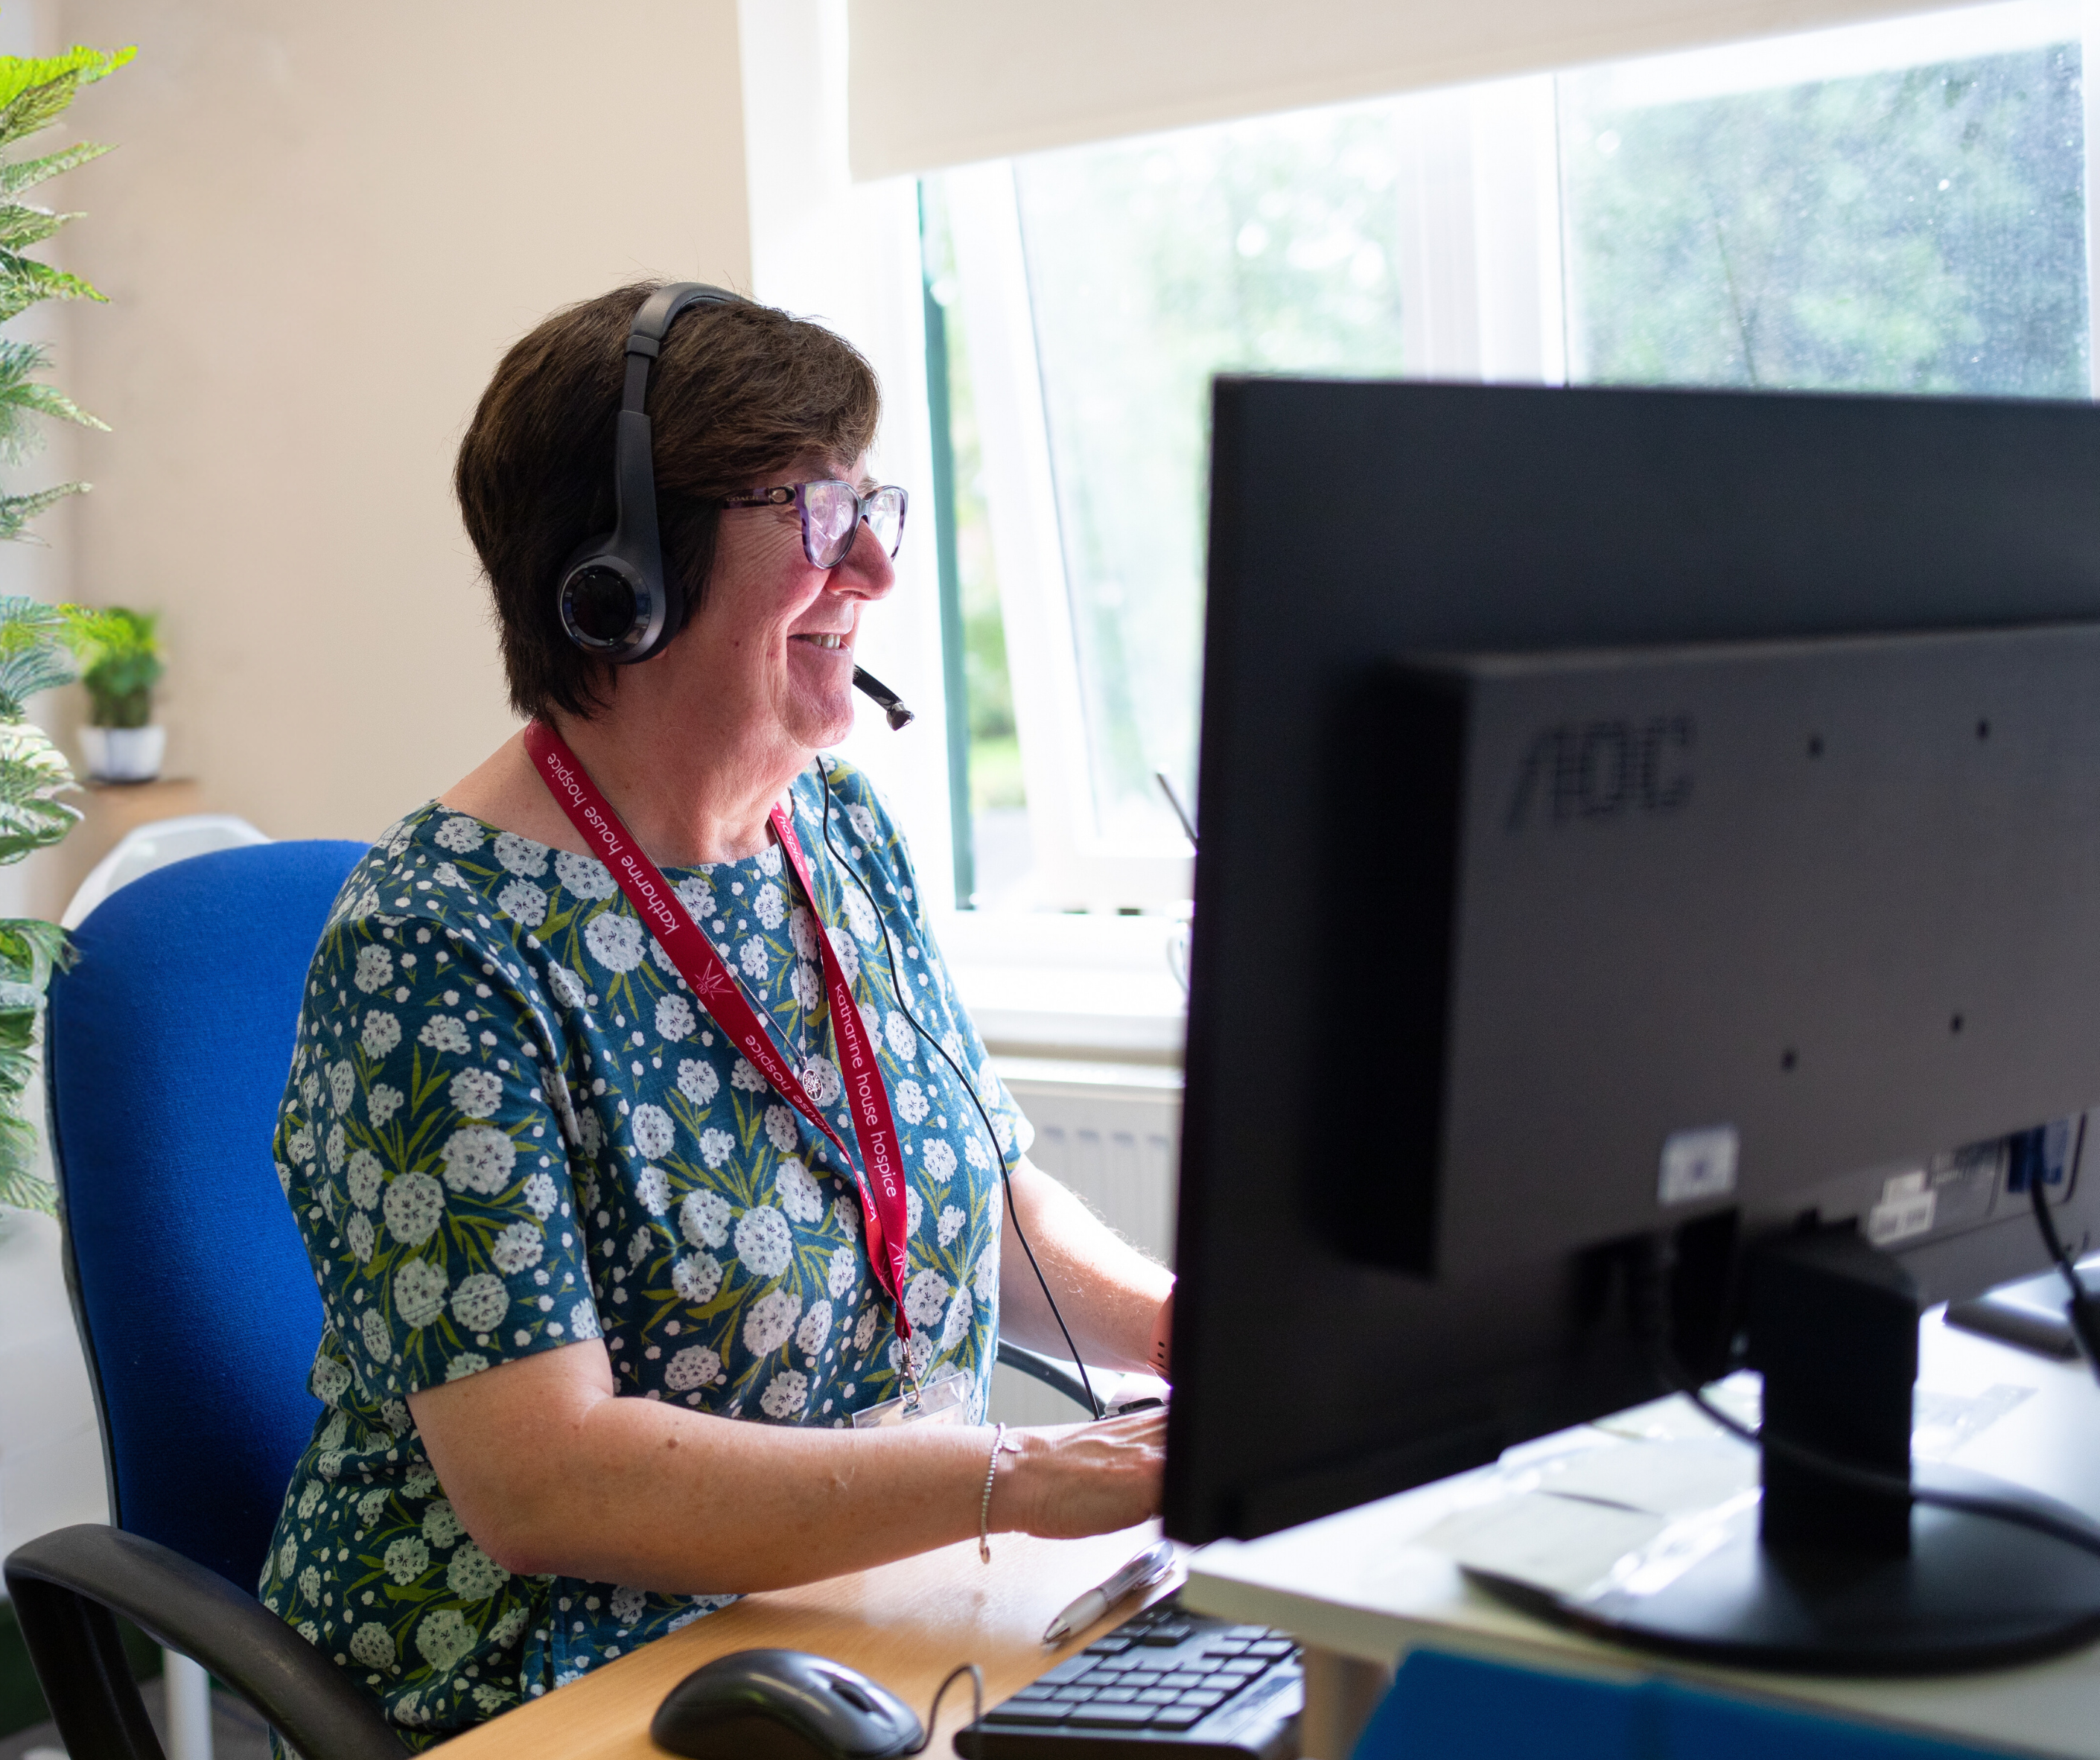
[
  {"x": 1481, "y": 226},
  {"x": 1482, "y": 248},
  {"x": 1074, "y": 865},
  {"x": 848, "y": 254}
]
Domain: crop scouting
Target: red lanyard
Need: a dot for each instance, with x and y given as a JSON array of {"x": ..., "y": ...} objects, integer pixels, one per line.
[{"x": 883, "y": 1203}]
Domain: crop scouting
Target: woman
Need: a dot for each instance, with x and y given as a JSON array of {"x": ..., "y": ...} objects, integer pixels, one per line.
[{"x": 601, "y": 1305}]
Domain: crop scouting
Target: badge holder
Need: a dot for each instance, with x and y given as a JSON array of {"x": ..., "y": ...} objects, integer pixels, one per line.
[{"x": 945, "y": 1400}]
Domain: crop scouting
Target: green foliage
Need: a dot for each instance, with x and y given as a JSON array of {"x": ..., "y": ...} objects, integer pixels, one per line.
[
  {"x": 124, "y": 663},
  {"x": 33, "y": 94},
  {"x": 1918, "y": 230},
  {"x": 39, "y": 643},
  {"x": 19, "y": 392}
]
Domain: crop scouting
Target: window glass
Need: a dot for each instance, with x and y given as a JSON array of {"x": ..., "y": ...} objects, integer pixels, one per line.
[
  {"x": 1266, "y": 246},
  {"x": 1914, "y": 229},
  {"x": 1892, "y": 207}
]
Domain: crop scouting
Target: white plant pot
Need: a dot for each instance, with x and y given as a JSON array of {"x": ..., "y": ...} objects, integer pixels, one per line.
[{"x": 124, "y": 754}]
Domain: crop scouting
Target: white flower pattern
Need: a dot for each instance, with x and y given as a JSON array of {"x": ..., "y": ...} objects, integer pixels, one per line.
[
  {"x": 695, "y": 1366},
  {"x": 763, "y": 1241},
  {"x": 583, "y": 876},
  {"x": 524, "y": 902},
  {"x": 797, "y": 1191},
  {"x": 652, "y": 1131},
  {"x": 703, "y": 1218},
  {"x": 476, "y": 1091},
  {"x": 615, "y": 941},
  {"x": 516, "y": 1132},
  {"x": 771, "y": 1322},
  {"x": 521, "y": 855},
  {"x": 924, "y": 1297}
]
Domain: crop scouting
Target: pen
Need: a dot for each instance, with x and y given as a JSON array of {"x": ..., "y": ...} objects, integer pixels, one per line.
[{"x": 1145, "y": 1569}]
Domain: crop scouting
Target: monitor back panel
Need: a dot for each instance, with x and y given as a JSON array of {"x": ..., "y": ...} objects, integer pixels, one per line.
[
  {"x": 1726, "y": 923},
  {"x": 1353, "y": 524}
]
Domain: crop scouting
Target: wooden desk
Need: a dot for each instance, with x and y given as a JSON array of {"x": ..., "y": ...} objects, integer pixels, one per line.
[{"x": 905, "y": 1625}]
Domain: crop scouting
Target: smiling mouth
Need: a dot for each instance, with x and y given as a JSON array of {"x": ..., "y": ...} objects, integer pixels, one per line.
[{"x": 818, "y": 639}]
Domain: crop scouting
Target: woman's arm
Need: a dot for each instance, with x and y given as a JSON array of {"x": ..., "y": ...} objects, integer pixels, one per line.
[
  {"x": 1116, "y": 1301},
  {"x": 551, "y": 1473}
]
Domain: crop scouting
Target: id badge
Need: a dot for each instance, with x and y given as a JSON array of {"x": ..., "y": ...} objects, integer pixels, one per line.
[{"x": 945, "y": 1400}]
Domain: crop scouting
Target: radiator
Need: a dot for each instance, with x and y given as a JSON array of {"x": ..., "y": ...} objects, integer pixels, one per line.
[{"x": 1113, "y": 1137}]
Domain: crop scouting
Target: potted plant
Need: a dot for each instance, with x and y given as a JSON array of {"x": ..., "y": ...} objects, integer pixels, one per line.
[{"x": 121, "y": 743}]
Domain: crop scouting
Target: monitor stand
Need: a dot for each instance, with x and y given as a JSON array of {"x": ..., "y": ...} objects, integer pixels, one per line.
[{"x": 1821, "y": 1578}]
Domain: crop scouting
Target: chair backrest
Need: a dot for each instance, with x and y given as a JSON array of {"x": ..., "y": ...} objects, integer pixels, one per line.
[
  {"x": 167, "y": 1048},
  {"x": 146, "y": 847}
]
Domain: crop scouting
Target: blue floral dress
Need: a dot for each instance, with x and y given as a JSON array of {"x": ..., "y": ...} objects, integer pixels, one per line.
[{"x": 509, "y": 1128}]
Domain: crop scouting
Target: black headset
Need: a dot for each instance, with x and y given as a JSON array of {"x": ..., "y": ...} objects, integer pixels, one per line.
[{"x": 616, "y": 602}]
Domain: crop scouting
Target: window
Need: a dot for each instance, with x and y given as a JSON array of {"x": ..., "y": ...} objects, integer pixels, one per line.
[
  {"x": 1895, "y": 207},
  {"x": 1902, "y": 225}
]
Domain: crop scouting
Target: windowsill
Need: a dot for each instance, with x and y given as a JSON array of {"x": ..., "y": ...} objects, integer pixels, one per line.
[{"x": 1068, "y": 988}]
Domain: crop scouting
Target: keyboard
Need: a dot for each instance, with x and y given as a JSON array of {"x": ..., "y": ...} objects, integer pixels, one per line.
[{"x": 1167, "y": 1678}]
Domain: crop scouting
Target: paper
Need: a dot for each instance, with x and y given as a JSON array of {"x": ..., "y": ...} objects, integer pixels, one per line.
[
  {"x": 1662, "y": 1487},
  {"x": 1564, "y": 1545},
  {"x": 1941, "y": 1422},
  {"x": 1672, "y": 1478},
  {"x": 1676, "y": 1418}
]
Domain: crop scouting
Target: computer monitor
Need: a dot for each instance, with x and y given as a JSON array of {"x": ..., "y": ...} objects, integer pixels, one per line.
[{"x": 1642, "y": 831}]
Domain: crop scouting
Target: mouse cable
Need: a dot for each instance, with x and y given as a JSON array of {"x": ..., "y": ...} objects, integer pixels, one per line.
[
  {"x": 941, "y": 1692},
  {"x": 2084, "y": 1320},
  {"x": 1866, "y": 1478},
  {"x": 970, "y": 1087}
]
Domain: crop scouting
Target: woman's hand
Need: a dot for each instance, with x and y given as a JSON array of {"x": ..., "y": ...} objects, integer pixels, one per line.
[{"x": 1082, "y": 1479}]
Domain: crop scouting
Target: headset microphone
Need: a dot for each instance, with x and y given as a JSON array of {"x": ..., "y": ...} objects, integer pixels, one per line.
[{"x": 888, "y": 700}]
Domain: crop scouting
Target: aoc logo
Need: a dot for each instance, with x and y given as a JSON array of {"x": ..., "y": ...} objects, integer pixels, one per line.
[{"x": 1603, "y": 769}]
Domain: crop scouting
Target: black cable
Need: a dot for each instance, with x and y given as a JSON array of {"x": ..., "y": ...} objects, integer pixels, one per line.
[
  {"x": 1174, "y": 800},
  {"x": 941, "y": 1692},
  {"x": 2084, "y": 1320},
  {"x": 1878, "y": 1484},
  {"x": 970, "y": 1087}
]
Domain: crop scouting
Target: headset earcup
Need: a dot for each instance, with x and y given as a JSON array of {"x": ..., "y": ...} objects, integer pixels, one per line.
[
  {"x": 608, "y": 608},
  {"x": 615, "y": 600}
]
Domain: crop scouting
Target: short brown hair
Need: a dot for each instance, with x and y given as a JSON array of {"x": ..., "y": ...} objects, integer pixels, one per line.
[{"x": 740, "y": 392}]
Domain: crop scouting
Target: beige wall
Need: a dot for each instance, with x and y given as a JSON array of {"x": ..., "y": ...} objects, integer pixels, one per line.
[{"x": 322, "y": 227}]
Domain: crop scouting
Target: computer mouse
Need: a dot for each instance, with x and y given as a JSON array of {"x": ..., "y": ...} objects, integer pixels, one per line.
[{"x": 783, "y": 1705}]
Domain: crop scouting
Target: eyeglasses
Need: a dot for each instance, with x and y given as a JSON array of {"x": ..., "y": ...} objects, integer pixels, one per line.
[{"x": 832, "y": 512}]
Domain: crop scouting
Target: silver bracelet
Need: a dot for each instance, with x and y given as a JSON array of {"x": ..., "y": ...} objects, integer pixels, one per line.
[{"x": 983, "y": 1507}]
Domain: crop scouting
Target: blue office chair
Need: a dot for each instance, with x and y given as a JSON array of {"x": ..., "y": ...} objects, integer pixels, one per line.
[{"x": 167, "y": 1048}]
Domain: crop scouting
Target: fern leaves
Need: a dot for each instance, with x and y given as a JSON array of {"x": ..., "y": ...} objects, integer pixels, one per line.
[
  {"x": 36, "y": 641},
  {"x": 33, "y": 94},
  {"x": 34, "y": 91}
]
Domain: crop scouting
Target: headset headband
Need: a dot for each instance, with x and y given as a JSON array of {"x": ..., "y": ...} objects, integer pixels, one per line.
[
  {"x": 634, "y": 532},
  {"x": 614, "y": 599}
]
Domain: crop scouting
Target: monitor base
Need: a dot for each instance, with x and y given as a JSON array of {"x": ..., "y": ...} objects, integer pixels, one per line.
[{"x": 1973, "y": 1592}]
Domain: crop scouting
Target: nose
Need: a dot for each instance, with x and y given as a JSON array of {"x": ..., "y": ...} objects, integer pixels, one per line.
[{"x": 866, "y": 571}]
